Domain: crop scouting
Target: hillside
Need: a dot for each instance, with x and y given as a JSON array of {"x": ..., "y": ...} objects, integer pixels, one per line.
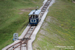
[
  {"x": 58, "y": 29},
  {"x": 14, "y": 18}
]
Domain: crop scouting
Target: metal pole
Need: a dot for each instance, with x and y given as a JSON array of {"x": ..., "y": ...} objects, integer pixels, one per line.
[
  {"x": 26, "y": 46},
  {"x": 20, "y": 45},
  {"x": 13, "y": 47}
]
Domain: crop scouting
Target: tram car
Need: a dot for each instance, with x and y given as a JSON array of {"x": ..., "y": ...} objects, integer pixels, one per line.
[{"x": 34, "y": 17}]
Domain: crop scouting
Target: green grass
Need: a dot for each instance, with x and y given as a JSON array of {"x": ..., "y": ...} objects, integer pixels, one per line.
[
  {"x": 10, "y": 19},
  {"x": 60, "y": 30}
]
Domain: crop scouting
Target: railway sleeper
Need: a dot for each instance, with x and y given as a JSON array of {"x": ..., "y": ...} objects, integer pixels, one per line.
[
  {"x": 43, "y": 10},
  {"x": 24, "y": 45},
  {"x": 32, "y": 27},
  {"x": 45, "y": 6},
  {"x": 30, "y": 31},
  {"x": 41, "y": 14},
  {"x": 27, "y": 36}
]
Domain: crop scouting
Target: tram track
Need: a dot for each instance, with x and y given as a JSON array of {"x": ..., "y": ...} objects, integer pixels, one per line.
[{"x": 23, "y": 43}]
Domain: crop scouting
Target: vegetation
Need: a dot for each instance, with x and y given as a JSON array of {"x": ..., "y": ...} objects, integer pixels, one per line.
[
  {"x": 11, "y": 20},
  {"x": 59, "y": 32},
  {"x": 71, "y": 0}
]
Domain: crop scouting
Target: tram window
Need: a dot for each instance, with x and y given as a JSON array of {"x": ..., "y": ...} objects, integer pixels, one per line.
[
  {"x": 31, "y": 16},
  {"x": 36, "y": 16}
]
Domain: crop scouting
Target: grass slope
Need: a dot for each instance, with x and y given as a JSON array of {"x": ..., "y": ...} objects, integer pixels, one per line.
[
  {"x": 10, "y": 19},
  {"x": 58, "y": 30}
]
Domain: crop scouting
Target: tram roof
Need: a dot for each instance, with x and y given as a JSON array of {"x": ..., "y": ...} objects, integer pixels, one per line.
[{"x": 35, "y": 12}]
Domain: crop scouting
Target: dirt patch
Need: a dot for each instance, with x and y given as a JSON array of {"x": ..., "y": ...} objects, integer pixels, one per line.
[
  {"x": 52, "y": 20},
  {"x": 45, "y": 33},
  {"x": 35, "y": 46},
  {"x": 42, "y": 32},
  {"x": 48, "y": 19},
  {"x": 73, "y": 1},
  {"x": 44, "y": 25},
  {"x": 25, "y": 10}
]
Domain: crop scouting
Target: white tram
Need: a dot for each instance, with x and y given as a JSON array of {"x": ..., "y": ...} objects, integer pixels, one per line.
[{"x": 34, "y": 17}]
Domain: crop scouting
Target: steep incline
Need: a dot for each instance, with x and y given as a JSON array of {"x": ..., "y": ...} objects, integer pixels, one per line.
[
  {"x": 14, "y": 18},
  {"x": 58, "y": 29}
]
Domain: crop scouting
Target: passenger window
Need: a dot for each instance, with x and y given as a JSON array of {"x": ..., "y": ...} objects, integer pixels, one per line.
[
  {"x": 31, "y": 16},
  {"x": 36, "y": 16}
]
